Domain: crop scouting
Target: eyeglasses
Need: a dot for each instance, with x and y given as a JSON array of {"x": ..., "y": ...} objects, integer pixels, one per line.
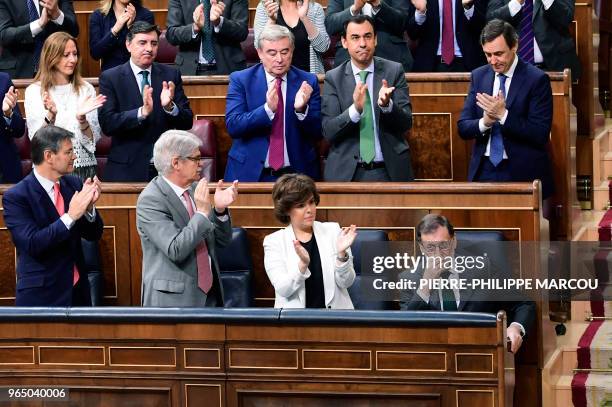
[
  {"x": 430, "y": 247},
  {"x": 195, "y": 159}
]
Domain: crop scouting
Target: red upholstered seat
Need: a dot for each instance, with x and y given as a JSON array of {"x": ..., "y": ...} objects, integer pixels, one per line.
[
  {"x": 23, "y": 147},
  {"x": 249, "y": 50},
  {"x": 166, "y": 52},
  {"x": 330, "y": 54},
  {"x": 204, "y": 129}
]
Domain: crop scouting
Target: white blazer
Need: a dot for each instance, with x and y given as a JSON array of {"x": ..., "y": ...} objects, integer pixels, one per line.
[{"x": 281, "y": 264}]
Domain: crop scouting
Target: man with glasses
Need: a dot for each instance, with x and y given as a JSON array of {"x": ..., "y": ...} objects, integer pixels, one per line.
[
  {"x": 438, "y": 244},
  {"x": 181, "y": 226}
]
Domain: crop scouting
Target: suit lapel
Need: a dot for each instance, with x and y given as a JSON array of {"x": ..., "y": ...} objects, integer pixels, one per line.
[
  {"x": 348, "y": 86},
  {"x": 174, "y": 200},
  {"x": 261, "y": 87},
  {"x": 41, "y": 196},
  {"x": 66, "y": 192},
  {"x": 379, "y": 75},
  {"x": 515, "y": 84},
  {"x": 130, "y": 80}
]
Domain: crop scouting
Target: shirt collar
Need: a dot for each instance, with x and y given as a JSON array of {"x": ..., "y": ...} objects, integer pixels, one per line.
[
  {"x": 356, "y": 70},
  {"x": 136, "y": 69},
  {"x": 510, "y": 72},
  {"x": 46, "y": 183},
  {"x": 272, "y": 78},
  {"x": 179, "y": 191}
]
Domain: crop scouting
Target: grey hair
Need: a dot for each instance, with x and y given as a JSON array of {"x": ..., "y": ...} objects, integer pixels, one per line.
[
  {"x": 275, "y": 32},
  {"x": 173, "y": 143}
]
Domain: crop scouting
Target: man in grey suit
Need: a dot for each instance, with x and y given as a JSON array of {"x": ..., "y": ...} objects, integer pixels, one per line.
[
  {"x": 208, "y": 34},
  {"x": 366, "y": 134},
  {"x": 180, "y": 229},
  {"x": 543, "y": 26}
]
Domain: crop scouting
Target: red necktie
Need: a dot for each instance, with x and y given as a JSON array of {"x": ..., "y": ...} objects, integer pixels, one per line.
[
  {"x": 204, "y": 272},
  {"x": 276, "y": 158},
  {"x": 448, "y": 37},
  {"x": 59, "y": 206}
]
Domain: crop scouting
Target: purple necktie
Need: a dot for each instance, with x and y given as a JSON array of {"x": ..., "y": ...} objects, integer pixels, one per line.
[
  {"x": 277, "y": 147},
  {"x": 448, "y": 35},
  {"x": 526, "y": 38}
]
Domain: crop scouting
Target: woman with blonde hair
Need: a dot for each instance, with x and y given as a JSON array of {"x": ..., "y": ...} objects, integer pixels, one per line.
[
  {"x": 306, "y": 21},
  {"x": 61, "y": 97},
  {"x": 108, "y": 28}
]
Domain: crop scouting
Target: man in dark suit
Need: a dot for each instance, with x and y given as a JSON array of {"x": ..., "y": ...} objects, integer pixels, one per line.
[
  {"x": 12, "y": 126},
  {"x": 390, "y": 18},
  {"x": 208, "y": 34},
  {"x": 447, "y": 32},
  {"x": 24, "y": 27},
  {"x": 436, "y": 238},
  {"x": 544, "y": 35},
  {"x": 508, "y": 112},
  {"x": 273, "y": 114},
  {"x": 144, "y": 99},
  {"x": 48, "y": 213},
  {"x": 366, "y": 133}
]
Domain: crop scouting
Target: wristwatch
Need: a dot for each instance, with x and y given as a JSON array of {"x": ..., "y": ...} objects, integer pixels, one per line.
[{"x": 343, "y": 259}]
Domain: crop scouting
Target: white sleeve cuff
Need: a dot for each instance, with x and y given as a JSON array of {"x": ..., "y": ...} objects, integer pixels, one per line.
[
  {"x": 425, "y": 297},
  {"x": 302, "y": 116},
  {"x": 502, "y": 121},
  {"x": 35, "y": 28},
  {"x": 520, "y": 326},
  {"x": 218, "y": 28},
  {"x": 469, "y": 12},
  {"x": 514, "y": 6},
  {"x": 547, "y": 3},
  {"x": 354, "y": 114},
  {"x": 68, "y": 221},
  {"x": 482, "y": 127},
  {"x": 60, "y": 19},
  {"x": 419, "y": 17},
  {"x": 91, "y": 216},
  {"x": 387, "y": 109},
  {"x": 269, "y": 111}
]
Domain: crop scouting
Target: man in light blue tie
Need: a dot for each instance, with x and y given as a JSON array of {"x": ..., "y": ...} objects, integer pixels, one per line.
[{"x": 508, "y": 112}]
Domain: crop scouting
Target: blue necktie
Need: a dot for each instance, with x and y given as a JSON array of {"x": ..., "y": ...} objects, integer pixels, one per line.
[
  {"x": 496, "y": 152},
  {"x": 208, "y": 52},
  {"x": 38, "y": 40}
]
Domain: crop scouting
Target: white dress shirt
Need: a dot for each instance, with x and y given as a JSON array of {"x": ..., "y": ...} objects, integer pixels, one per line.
[
  {"x": 271, "y": 81},
  {"x": 49, "y": 187},
  {"x": 482, "y": 127},
  {"x": 35, "y": 28},
  {"x": 194, "y": 35},
  {"x": 356, "y": 117}
]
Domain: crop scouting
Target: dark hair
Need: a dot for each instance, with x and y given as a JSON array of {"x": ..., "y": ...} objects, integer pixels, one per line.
[
  {"x": 47, "y": 138},
  {"x": 141, "y": 27},
  {"x": 291, "y": 190},
  {"x": 430, "y": 223},
  {"x": 497, "y": 27},
  {"x": 358, "y": 19}
]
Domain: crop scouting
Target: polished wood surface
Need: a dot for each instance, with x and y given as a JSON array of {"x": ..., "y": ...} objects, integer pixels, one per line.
[
  {"x": 437, "y": 152},
  {"x": 249, "y": 363}
]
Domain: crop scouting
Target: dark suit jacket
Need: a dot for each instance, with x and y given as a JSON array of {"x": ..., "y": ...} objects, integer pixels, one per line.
[
  {"x": 132, "y": 144},
  {"x": 228, "y": 53},
  {"x": 526, "y": 131},
  {"x": 46, "y": 249},
  {"x": 249, "y": 125},
  {"x": 103, "y": 45},
  {"x": 343, "y": 134},
  {"x": 517, "y": 307},
  {"x": 10, "y": 166},
  {"x": 390, "y": 21},
  {"x": 467, "y": 33},
  {"x": 551, "y": 30},
  {"x": 16, "y": 39}
]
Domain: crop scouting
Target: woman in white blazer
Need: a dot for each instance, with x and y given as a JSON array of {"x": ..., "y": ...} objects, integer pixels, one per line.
[{"x": 309, "y": 263}]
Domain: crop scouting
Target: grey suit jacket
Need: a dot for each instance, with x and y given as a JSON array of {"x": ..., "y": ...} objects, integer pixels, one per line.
[
  {"x": 228, "y": 53},
  {"x": 169, "y": 239},
  {"x": 343, "y": 134},
  {"x": 551, "y": 30}
]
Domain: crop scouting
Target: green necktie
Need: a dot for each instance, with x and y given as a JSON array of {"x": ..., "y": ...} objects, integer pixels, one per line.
[
  {"x": 366, "y": 126},
  {"x": 145, "y": 80},
  {"x": 448, "y": 296}
]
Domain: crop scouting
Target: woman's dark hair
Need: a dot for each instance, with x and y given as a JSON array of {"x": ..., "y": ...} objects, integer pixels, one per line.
[{"x": 291, "y": 190}]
